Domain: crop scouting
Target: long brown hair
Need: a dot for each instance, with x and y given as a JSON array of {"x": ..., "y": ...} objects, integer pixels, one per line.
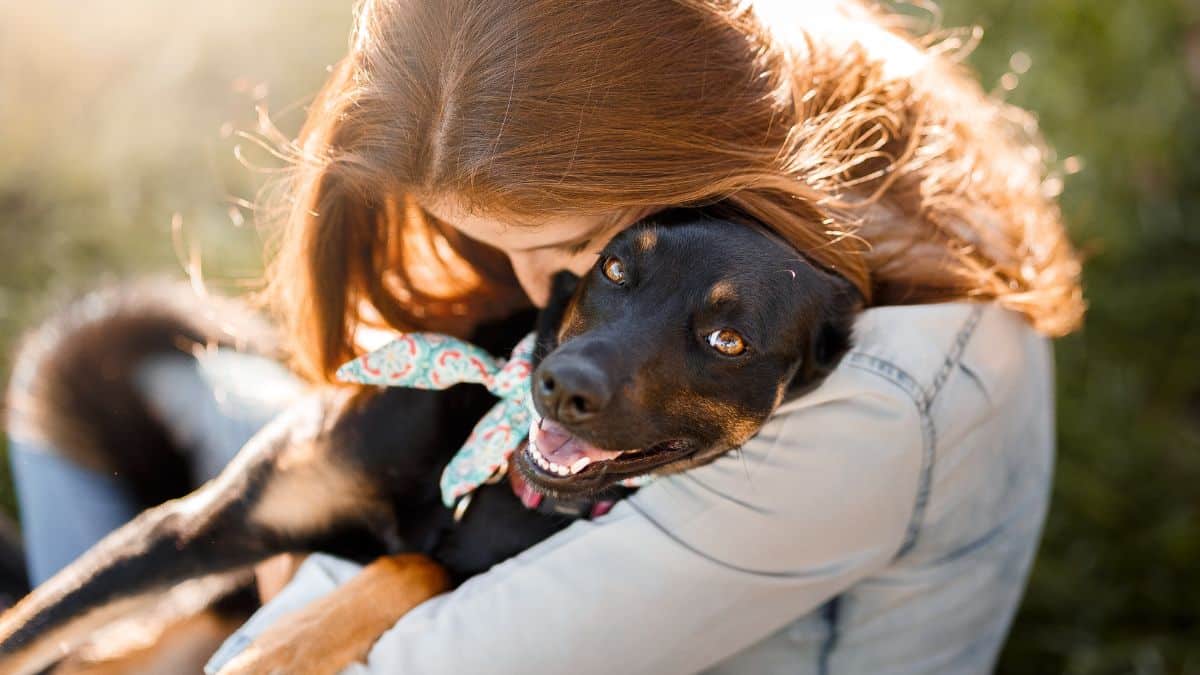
[{"x": 869, "y": 149}]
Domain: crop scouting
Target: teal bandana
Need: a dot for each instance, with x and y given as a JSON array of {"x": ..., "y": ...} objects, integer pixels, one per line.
[{"x": 434, "y": 361}]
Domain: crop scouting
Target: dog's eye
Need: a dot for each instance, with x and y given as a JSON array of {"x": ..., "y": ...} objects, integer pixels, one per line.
[
  {"x": 727, "y": 341},
  {"x": 613, "y": 270}
]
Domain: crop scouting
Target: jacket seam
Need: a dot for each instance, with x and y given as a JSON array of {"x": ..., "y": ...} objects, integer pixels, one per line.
[
  {"x": 923, "y": 399},
  {"x": 908, "y": 384}
]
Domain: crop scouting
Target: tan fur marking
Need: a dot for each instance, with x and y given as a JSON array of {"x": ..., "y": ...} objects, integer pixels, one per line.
[
  {"x": 780, "y": 392},
  {"x": 182, "y": 647},
  {"x": 339, "y": 629},
  {"x": 722, "y": 291},
  {"x": 572, "y": 322},
  {"x": 53, "y": 645},
  {"x": 310, "y": 497},
  {"x": 690, "y": 402},
  {"x": 111, "y": 624},
  {"x": 739, "y": 425},
  {"x": 646, "y": 241}
]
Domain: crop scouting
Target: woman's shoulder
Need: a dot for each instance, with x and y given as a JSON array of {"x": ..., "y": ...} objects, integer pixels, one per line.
[
  {"x": 918, "y": 348},
  {"x": 917, "y": 368}
]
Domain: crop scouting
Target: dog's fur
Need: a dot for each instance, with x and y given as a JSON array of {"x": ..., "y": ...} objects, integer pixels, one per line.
[{"x": 356, "y": 474}]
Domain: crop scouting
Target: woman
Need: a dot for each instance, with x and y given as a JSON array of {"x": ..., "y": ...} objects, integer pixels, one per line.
[{"x": 465, "y": 150}]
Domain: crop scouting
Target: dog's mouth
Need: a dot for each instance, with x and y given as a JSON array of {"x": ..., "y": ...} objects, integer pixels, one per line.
[{"x": 559, "y": 460}]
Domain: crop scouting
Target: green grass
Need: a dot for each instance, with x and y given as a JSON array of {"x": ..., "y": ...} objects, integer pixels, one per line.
[{"x": 113, "y": 123}]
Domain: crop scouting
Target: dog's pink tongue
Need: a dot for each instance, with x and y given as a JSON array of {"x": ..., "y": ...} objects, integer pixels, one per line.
[{"x": 561, "y": 447}]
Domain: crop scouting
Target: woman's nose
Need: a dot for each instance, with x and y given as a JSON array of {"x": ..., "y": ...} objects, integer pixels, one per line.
[{"x": 533, "y": 272}]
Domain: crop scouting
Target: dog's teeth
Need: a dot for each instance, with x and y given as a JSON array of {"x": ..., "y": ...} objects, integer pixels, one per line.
[
  {"x": 556, "y": 468},
  {"x": 580, "y": 464},
  {"x": 537, "y": 455}
]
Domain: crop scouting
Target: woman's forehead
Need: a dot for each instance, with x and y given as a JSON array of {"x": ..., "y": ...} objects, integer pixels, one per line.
[{"x": 514, "y": 234}]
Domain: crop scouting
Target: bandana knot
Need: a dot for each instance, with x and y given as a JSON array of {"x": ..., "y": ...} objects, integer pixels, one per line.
[{"x": 435, "y": 361}]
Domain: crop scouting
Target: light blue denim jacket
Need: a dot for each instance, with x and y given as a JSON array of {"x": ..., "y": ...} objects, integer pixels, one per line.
[{"x": 884, "y": 523}]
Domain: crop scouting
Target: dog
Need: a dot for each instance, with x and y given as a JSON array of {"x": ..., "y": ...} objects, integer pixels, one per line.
[{"x": 674, "y": 349}]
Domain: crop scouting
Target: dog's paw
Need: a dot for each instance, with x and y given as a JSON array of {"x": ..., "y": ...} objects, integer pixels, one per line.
[{"x": 339, "y": 629}]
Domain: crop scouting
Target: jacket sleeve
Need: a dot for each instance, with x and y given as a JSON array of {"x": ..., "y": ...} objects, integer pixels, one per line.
[{"x": 696, "y": 566}]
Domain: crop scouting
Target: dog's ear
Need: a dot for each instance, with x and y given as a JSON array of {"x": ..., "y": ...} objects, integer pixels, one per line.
[{"x": 829, "y": 337}]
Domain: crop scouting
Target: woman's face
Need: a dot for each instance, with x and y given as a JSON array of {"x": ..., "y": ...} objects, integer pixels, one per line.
[{"x": 536, "y": 253}]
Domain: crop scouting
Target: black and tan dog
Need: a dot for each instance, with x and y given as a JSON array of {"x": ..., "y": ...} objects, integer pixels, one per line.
[{"x": 687, "y": 334}]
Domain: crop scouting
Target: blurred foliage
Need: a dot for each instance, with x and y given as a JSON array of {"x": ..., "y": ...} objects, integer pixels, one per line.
[
  {"x": 118, "y": 118},
  {"x": 1116, "y": 588},
  {"x": 118, "y": 123}
]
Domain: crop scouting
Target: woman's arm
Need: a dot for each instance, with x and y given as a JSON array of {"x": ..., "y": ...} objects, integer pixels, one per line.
[{"x": 698, "y": 566}]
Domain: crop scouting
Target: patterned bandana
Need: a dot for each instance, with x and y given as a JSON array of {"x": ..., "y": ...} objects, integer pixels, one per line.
[{"x": 434, "y": 361}]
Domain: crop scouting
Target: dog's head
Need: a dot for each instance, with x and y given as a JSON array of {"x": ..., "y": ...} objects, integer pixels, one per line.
[{"x": 676, "y": 347}]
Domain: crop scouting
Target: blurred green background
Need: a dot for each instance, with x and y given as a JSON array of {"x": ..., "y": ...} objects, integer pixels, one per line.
[{"x": 118, "y": 124}]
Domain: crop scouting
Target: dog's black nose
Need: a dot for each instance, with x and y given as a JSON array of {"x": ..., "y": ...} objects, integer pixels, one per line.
[{"x": 573, "y": 392}]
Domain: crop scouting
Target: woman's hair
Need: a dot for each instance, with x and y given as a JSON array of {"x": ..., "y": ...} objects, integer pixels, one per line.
[{"x": 871, "y": 150}]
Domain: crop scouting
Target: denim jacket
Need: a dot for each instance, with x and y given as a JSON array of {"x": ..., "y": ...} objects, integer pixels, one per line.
[{"x": 883, "y": 523}]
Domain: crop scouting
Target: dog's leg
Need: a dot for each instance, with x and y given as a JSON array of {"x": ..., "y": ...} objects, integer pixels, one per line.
[
  {"x": 128, "y": 574},
  {"x": 339, "y": 629},
  {"x": 181, "y": 646},
  {"x": 284, "y": 492}
]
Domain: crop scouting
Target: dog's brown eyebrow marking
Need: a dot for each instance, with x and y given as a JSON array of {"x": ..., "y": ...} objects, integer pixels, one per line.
[
  {"x": 572, "y": 322},
  {"x": 722, "y": 291},
  {"x": 646, "y": 241}
]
